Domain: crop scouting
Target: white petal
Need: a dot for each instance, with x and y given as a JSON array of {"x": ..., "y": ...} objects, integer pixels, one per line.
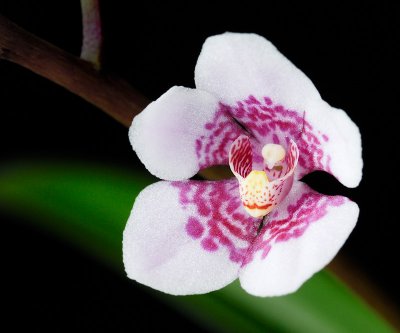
[
  {"x": 234, "y": 66},
  {"x": 183, "y": 131},
  {"x": 187, "y": 237},
  {"x": 301, "y": 237},
  {"x": 263, "y": 88},
  {"x": 340, "y": 143}
]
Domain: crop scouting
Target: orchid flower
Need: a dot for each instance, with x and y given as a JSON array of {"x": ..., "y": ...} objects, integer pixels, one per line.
[{"x": 254, "y": 110}]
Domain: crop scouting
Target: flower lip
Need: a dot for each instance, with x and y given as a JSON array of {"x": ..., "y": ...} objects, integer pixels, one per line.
[
  {"x": 258, "y": 194},
  {"x": 254, "y": 194}
]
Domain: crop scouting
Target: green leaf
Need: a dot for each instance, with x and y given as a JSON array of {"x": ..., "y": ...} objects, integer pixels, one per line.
[{"x": 89, "y": 205}]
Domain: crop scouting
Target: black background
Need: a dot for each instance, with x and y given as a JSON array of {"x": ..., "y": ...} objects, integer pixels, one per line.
[{"x": 348, "y": 51}]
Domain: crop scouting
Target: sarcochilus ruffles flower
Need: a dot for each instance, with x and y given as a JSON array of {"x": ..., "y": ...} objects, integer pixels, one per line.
[{"x": 254, "y": 110}]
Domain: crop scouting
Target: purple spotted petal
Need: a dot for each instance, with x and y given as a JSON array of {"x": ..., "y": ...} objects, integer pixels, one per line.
[
  {"x": 187, "y": 237},
  {"x": 300, "y": 237},
  {"x": 270, "y": 96},
  {"x": 217, "y": 205}
]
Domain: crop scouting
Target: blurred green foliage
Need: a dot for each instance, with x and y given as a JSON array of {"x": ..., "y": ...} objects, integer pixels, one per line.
[{"x": 89, "y": 204}]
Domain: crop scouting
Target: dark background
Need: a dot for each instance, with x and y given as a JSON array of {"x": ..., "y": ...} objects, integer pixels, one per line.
[{"x": 347, "y": 50}]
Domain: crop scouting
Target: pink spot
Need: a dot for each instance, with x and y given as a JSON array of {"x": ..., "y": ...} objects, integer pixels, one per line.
[
  {"x": 251, "y": 100},
  {"x": 209, "y": 245},
  {"x": 235, "y": 257},
  {"x": 282, "y": 237},
  {"x": 267, "y": 100},
  {"x": 194, "y": 228}
]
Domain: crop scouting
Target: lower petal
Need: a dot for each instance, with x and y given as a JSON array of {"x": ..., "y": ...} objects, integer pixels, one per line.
[
  {"x": 301, "y": 236},
  {"x": 187, "y": 237}
]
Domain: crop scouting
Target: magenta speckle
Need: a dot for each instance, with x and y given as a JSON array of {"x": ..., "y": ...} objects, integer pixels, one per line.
[
  {"x": 283, "y": 237},
  {"x": 235, "y": 256},
  {"x": 251, "y": 100},
  {"x": 209, "y": 126},
  {"x": 213, "y": 148},
  {"x": 267, "y": 100},
  {"x": 219, "y": 215},
  {"x": 194, "y": 228},
  {"x": 209, "y": 245}
]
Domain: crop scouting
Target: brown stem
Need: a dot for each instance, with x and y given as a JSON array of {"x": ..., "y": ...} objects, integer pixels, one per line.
[
  {"x": 91, "y": 32},
  {"x": 108, "y": 92}
]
